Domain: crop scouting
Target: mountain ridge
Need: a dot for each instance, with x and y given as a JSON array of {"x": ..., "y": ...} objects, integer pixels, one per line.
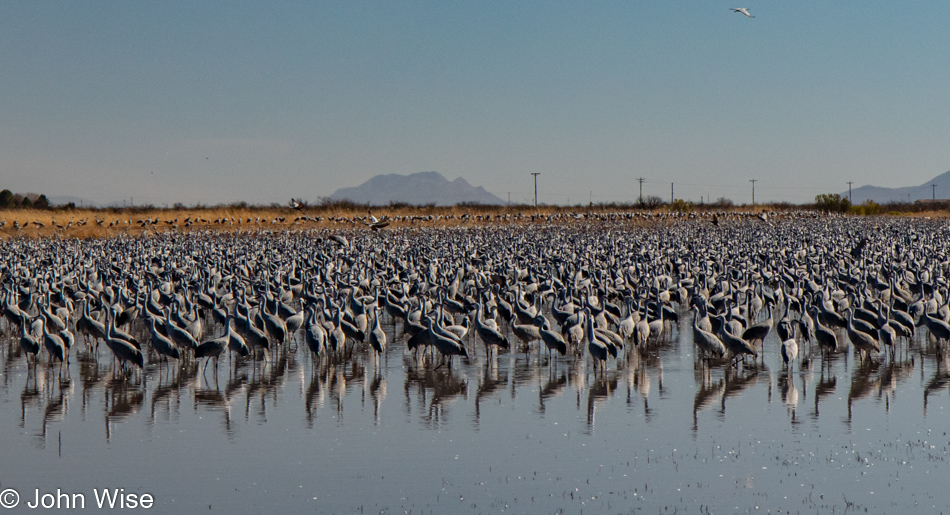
[
  {"x": 418, "y": 188},
  {"x": 882, "y": 195}
]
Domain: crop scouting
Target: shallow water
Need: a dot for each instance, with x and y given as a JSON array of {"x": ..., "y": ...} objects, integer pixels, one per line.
[{"x": 517, "y": 433}]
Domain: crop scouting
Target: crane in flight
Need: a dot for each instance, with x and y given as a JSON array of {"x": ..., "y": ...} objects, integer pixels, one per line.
[{"x": 742, "y": 10}]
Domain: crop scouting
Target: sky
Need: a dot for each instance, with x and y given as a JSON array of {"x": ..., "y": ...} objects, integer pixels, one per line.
[{"x": 224, "y": 101}]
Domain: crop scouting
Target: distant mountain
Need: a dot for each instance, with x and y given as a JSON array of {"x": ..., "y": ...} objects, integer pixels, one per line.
[
  {"x": 418, "y": 188},
  {"x": 908, "y": 193},
  {"x": 62, "y": 200}
]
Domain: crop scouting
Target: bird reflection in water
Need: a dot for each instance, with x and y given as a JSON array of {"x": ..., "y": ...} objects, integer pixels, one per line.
[
  {"x": 790, "y": 394},
  {"x": 263, "y": 381},
  {"x": 825, "y": 388},
  {"x": 638, "y": 379},
  {"x": 707, "y": 392},
  {"x": 941, "y": 378},
  {"x": 333, "y": 378},
  {"x": 124, "y": 397},
  {"x": 30, "y": 396},
  {"x": 864, "y": 381},
  {"x": 893, "y": 374},
  {"x": 167, "y": 393},
  {"x": 315, "y": 396},
  {"x": 377, "y": 393},
  {"x": 92, "y": 376},
  {"x": 435, "y": 389},
  {"x": 523, "y": 373},
  {"x": 603, "y": 386},
  {"x": 489, "y": 383},
  {"x": 736, "y": 382},
  {"x": 553, "y": 387}
]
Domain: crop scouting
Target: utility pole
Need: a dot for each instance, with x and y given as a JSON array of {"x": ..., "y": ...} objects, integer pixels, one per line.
[
  {"x": 753, "y": 190},
  {"x": 849, "y": 193},
  {"x": 671, "y": 193},
  {"x": 933, "y": 190},
  {"x": 535, "y": 174},
  {"x": 640, "y": 180},
  {"x": 509, "y": 198}
]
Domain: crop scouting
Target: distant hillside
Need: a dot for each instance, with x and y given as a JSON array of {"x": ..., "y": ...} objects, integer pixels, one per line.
[
  {"x": 905, "y": 194},
  {"x": 418, "y": 189},
  {"x": 62, "y": 200}
]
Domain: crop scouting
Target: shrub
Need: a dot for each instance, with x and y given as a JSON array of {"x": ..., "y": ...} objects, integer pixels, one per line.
[
  {"x": 832, "y": 203},
  {"x": 868, "y": 207},
  {"x": 681, "y": 206}
]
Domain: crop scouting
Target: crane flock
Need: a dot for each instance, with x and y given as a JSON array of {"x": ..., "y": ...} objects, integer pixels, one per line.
[{"x": 607, "y": 286}]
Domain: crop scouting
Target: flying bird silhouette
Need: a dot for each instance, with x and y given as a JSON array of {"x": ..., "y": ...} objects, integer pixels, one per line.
[{"x": 742, "y": 10}]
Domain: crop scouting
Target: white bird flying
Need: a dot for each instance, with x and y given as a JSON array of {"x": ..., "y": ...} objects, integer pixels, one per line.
[{"x": 742, "y": 10}]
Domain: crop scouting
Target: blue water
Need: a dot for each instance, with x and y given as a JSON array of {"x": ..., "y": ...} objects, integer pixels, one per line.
[{"x": 516, "y": 433}]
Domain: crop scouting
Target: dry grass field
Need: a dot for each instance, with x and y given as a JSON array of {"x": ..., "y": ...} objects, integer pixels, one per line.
[
  {"x": 79, "y": 223},
  {"x": 96, "y": 223}
]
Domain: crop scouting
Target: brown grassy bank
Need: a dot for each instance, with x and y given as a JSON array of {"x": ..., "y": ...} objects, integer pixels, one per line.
[{"x": 95, "y": 223}]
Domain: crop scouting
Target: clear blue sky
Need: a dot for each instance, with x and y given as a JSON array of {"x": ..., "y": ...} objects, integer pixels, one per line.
[{"x": 225, "y": 101}]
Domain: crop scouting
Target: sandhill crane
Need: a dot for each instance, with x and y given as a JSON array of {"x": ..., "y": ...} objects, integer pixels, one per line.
[
  {"x": 336, "y": 338},
  {"x": 54, "y": 345},
  {"x": 861, "y": 340},
  {"x": 161, "y": 343},
  {"x": 212, "y": 348},
  {"x": 122, "y": 349},
  {"x": 552, "y": 340},
  {"x": 376, "y": 224},
  {"x": 444, "y": 344},
  {"x": 27, "y": 342},
  {"x": 705, "y": 341},
  {"x": 789, "y": 349},
  {"x": 182, "y": 338},
  {"x": 598, "y": 349},
  {"x": 938, "y": 328},
  {"x": 826, "y": 338},
  {"x": 275, "y": 327},
  {"x": 89, "y": 326},
  {"x": 641, "y": 330},
  {"x": 626, "y": 325},
  {"x": 255, "y": 337},
  {"x": 490, "y": 336},
  {"x": 377, "y": 337},
  {"x": 759, "y": 331},
  {"x": 68, "y": 339},
  {"x": 527, "y": 333},
  {"x": 294, "y": 323},
  {"x": 460, "y": 330},
  {"x": 316, "y": 334}
]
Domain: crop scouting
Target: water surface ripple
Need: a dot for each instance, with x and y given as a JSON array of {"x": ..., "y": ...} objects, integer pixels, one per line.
[{"x": 517, "y": 432}]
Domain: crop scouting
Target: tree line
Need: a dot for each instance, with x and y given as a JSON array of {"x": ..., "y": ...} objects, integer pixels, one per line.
[{"x": 10, "y": 200}]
